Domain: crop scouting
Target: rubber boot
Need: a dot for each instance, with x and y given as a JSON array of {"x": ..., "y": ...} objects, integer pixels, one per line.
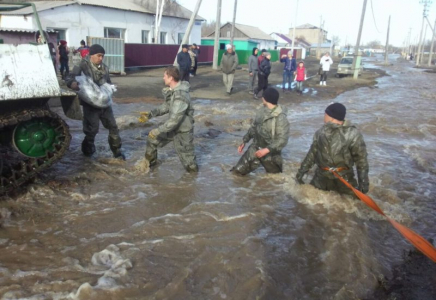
[{"x": 115, "y": 145}]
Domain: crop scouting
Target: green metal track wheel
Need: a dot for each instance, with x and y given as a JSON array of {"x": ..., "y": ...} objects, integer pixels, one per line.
[{"x": 37, "y": 137}]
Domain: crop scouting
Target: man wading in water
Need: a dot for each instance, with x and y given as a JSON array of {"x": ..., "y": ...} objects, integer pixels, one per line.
[
  {"x": 180, "y": 125},
  {"x": 337, "y": 145},
  {"x": 270, "y": 131}
]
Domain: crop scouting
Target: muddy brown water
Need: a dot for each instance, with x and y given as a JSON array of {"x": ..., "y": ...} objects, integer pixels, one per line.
[{"x": 97, "y": 228}]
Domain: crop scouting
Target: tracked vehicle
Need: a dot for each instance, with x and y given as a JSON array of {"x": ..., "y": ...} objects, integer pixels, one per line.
[{"x": 32, "y": 137}]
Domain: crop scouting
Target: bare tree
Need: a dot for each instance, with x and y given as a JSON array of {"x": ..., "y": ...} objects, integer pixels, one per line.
[
  {"x": 374, "y": 44},
  {"x": 175, "y": 27},
  {"x": 161, "y": 7},
  {"x": 336, "y": 40},
  {"x": 208, "y": 28}
]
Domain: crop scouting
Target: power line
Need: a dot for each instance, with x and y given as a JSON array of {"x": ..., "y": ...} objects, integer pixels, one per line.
[{"x": 373, "y": 16}]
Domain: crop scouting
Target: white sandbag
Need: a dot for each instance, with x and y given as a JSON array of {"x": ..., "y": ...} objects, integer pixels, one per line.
[{"x": 91, "y": 93}]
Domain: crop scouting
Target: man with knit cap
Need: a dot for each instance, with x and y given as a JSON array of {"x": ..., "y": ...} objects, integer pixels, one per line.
[
  {"x": 184, "y": 61},
  {"x": 270, "y": 133},
  {"x": 338, "y": 145},
  {"x": 93, "y": 67}
]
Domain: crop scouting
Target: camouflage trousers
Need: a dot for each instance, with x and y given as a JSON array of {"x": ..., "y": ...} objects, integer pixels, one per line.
[
  {"x": 326, "y": 183},
  {"x": 91, "y": 122},
  {"x": 183, "y": 144},
  {"x": 249, "y": 162}
]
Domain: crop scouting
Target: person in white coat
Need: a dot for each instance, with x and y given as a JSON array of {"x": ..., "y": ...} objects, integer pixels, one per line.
[{"x": 325, "y": 62}]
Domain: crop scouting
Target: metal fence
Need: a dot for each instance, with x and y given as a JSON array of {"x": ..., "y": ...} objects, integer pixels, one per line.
[
  {"x": 156, "y": 55},
  {"x": 114, "y": 48}
]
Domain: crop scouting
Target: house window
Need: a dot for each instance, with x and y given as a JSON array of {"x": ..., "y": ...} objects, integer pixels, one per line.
[
  {"x": 180, "y": 38},
  {"x": 114, "y": 33},
  {"x": 61, "y": 34},
  {"x": 228, "y": 33},
  {"x": 145, "y": 34},
  {"x": 163, "y": 37}
]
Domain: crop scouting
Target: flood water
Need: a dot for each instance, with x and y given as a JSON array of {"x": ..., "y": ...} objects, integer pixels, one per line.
[{"x": 97, "y": 228}]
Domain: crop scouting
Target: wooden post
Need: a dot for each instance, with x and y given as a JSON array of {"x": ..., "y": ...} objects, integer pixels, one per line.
[
  {"x": 387, "y": 42},
  {"x": 356, "y": 61},
  {"x": 232, "y": 35},
  {"x": 217, "y": 36}
]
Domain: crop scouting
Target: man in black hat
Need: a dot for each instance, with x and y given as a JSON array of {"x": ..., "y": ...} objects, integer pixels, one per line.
[
  {"x": 184, "y": 61},
  {"x": 270, "y": 133},
  {"x": 338, "y": 145},
  {"x": 93, "y": 67}
]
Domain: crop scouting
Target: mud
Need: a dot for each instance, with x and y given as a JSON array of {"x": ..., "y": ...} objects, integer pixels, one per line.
[{"x": 100, "y": 228}]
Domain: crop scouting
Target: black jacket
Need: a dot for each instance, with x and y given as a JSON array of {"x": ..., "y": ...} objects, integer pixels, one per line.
[
  {"x": 63, "y": 54},
  {"x": 184, "y": 61},
  {"x": 100, "y": 75},
  {"x": 265, "y": 67}
]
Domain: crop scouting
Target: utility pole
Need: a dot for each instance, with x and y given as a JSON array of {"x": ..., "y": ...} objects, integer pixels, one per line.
[
  {"x": 189, "y": 29},
  {"x": 318, "y": 49},
  {"x": 387, "y": 42},
  {"x": 232, "y": 35},
  {"x": 426, "y": 3},
  {"x": 432, "y": 43},
  {"x": 295, "y": 25},
  {"x": 217, "y": 36},
  {"x": 356, "y": 61},
  {"x": 423, "y": 43}
]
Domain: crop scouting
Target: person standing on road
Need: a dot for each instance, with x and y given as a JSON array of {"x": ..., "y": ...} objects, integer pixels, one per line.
[
  {"x": 229, "y": 63},
  {"x": 196, "y": 50},
  {"x": 325, "y": 62},
  {"x": 63, "y": 58},
  {"x": 300, "y": 77},
  {"x": 264, "y": 71},
  {"x": 252, "y": 70},
  {"x": 288, "y": 70},
  {"x": 179, "y": 127},
  {"x": 261, "y": 57},
  {"x": 83, "y": 49},
  {"x": 184, "y": 62},
  {"x": 93, "y": 67},
  {"x": 338, "y": 145},
  {"x": 270, "y": 134},
  {"x": 192, "y": 55}
]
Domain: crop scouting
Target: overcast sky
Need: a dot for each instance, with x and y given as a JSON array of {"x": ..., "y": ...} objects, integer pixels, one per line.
[{"x": 342, "y": 17}]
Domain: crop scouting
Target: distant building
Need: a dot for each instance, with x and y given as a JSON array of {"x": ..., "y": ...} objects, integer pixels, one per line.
[
  {"x": 125, "y": 19},
  {"x": 284, "y": 42},
  {"x": 324, "y": 47},
  {"x": 310, "y": 33},
  {"x": 246, "y": 33}
]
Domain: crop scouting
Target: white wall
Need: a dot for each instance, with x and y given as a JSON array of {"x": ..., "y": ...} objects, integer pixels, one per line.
[
  {"x": 264, "y": 44},
  {"x": 83, "y": 20}
]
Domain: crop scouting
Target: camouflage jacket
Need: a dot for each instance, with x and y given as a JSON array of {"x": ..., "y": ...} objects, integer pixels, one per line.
[
  {"x": 270, "y": 129},
  {"x": 178, "y": 106},
  {"x": 336, "y": 146},
  {"x": 99, "y": 75}
]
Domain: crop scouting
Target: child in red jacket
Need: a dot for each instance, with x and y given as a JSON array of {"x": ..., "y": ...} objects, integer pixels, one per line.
[{"x": 300, "y": 76}]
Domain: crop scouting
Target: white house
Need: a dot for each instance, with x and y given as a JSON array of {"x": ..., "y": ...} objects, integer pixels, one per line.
[
  {"x": 284, "y": 41},
  {"x": 127, "y": 19}
]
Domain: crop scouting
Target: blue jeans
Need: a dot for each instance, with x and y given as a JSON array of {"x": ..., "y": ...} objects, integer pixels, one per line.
[
  {"x": 300, "y": 86},
  {"x": 288, "y": 76}
]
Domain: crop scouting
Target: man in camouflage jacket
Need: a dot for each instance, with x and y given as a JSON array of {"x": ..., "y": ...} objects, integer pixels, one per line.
[
  {"x": 339, "y": 145},
  {"x": 180, "y": 125},
  {"x": 270, "y": 131}
]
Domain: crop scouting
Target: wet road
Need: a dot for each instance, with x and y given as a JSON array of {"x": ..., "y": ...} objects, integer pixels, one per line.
[{"x": 97, "y": 228}]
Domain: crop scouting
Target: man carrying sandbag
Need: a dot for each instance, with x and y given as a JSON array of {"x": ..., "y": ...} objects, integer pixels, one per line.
[{"x": 92, "y": 66}]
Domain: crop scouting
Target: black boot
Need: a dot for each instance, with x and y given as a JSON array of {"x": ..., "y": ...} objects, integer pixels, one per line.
[{"x": 88, "y": 147}]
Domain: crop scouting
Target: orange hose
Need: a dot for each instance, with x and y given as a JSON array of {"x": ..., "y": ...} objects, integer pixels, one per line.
[{"x": 418, "y": 241}]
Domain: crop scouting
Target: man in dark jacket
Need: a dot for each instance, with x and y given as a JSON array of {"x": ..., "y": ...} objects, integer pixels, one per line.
[
  {"x": 264, "y": 71},
  {"x": 184, "y": 62},
  {"x": 229, "y": 63},
  {"x": 270, "y": 131},
  {"x": 288, "y": 70},
  {"x": 63, "y": 59},
  {"x": 261, "y": 57},
  {"x": 93, "y": 67},
  {"x": 179, "y": 127},
  {"x": 337, "y": 145},
  {"x": 252, "y": 70}
]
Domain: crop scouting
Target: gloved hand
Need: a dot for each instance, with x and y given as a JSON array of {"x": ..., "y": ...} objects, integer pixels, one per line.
[
  {"x": 363, "y": 187},
  {"x": 153, "y": 134},
  {"x": 299, "y": 178},
  {"x": 144, "y": 116}
]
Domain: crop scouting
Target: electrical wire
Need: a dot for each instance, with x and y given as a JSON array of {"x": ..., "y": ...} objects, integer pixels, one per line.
[{"x": 373, "y": 16}]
